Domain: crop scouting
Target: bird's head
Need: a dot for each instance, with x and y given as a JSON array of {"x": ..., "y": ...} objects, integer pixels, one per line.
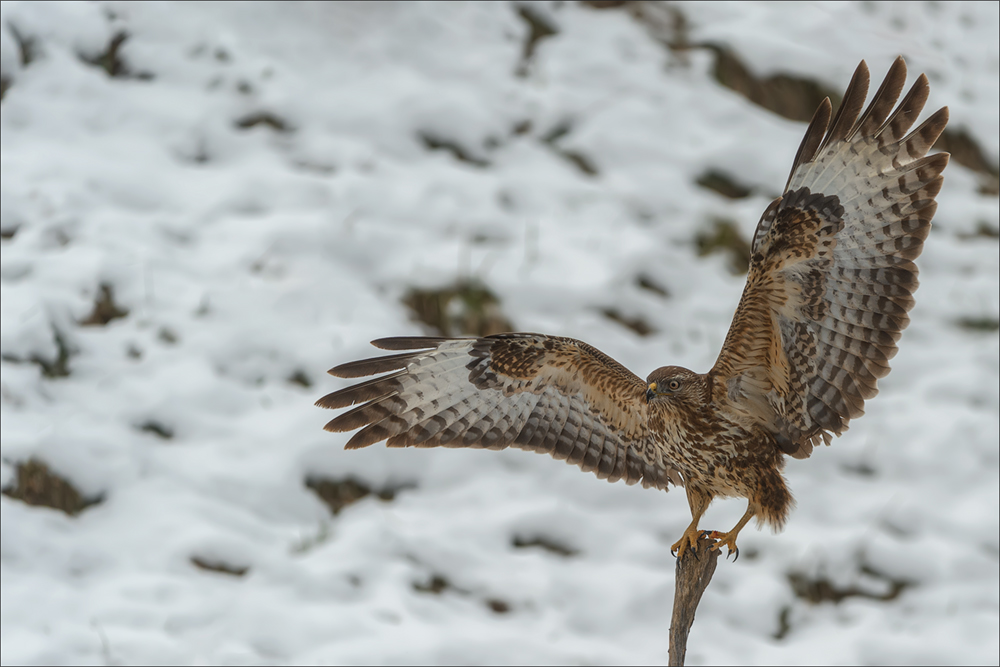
[{"x": 674, "y": 384}]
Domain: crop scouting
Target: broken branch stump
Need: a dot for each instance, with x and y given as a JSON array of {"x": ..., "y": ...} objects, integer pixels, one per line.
[{"x": 692, "y": 573}]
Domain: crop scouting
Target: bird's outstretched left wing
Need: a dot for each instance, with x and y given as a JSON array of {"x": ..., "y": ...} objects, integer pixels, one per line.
[
  {"x": 831, "y": 273},
  {"x": 551, "y": 395}
]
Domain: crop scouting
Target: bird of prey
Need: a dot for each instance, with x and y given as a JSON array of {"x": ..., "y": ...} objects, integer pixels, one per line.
[{"x": 830, "y": 283}]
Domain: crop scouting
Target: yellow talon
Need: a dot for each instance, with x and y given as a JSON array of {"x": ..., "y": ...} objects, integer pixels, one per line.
[
  {"x": 689, "y": 540},
  {"x": 727, "y": 539}
]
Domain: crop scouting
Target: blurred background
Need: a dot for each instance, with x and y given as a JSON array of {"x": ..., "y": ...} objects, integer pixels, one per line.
[{"x": 206, "y": 205}]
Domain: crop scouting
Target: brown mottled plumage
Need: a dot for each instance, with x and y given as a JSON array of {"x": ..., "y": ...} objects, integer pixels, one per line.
[{"x": 831, "y": 280}]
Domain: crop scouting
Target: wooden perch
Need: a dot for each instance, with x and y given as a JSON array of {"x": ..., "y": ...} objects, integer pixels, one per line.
[{"x": 692, "y": 574}]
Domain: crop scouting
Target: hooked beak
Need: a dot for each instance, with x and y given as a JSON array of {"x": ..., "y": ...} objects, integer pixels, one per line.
[{"x": 650, "y": 392}]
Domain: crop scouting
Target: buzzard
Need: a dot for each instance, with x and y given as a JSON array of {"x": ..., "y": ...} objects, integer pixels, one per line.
[{"x": 830, "y": 283}]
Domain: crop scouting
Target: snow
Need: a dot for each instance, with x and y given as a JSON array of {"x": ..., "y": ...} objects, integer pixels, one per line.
[{"x": 245, "y": 256}]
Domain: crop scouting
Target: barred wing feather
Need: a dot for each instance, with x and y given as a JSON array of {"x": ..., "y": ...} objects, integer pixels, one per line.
[
  {"x": 543, "y": 393},
  {"x": 831, "y": 273}
]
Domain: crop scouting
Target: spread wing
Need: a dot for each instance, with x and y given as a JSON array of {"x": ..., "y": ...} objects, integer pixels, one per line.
[
  {"x": 831, "y": 272},
  {"x": 551, "y": 395}
]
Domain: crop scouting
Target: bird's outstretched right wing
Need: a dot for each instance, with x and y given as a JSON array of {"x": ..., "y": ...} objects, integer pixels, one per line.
[{"x": 542, "y": 393}]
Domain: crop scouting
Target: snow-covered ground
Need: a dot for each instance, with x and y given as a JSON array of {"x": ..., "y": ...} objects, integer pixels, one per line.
[{"x": 249, "y": 256}]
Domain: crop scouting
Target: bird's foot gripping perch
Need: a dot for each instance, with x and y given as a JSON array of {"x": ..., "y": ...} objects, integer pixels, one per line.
[
  {"x": 689, "y": 540},
  {"x": 726, "y": 539}
]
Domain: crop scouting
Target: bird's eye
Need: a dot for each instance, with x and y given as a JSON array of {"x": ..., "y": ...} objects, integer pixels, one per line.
[{"x": 674, "y": 385}]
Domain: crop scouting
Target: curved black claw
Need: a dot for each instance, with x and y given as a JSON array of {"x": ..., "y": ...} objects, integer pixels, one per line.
[{"x": 731, "y": 552}]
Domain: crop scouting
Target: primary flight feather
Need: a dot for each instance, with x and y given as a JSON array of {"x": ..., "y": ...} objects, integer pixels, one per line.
[{"x": 830, "y": 283}]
